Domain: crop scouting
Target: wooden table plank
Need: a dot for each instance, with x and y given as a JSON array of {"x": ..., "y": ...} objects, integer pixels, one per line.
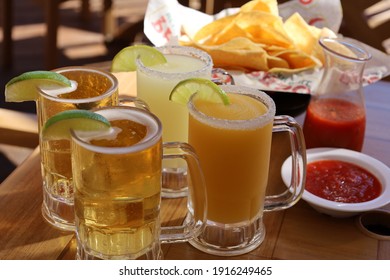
[{"x": 307, "y": 234}]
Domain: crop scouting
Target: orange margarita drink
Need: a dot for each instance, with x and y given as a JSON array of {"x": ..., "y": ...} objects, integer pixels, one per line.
[{"x": 233, "y": 144}]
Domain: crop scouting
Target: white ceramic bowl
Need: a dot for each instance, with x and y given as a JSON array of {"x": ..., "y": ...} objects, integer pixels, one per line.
[{"x": 338, "y": 209}]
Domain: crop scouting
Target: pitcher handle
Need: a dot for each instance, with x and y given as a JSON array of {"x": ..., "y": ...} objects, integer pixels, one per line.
[
  {"x": 298, "y": 154},
  {"x": 196, "y": 200}
]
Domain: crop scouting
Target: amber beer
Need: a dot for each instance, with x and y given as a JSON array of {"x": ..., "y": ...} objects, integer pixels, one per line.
[
  {"x": 117, "y": 179},
  {"x": 95, "y": 88},
  {"x": 118, "y": 188}
]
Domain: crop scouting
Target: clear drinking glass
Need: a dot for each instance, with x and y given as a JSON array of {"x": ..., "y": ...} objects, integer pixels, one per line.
[
  {"x": 95, "y": 88},
  {"x": 336, "y": 115},
  {"x": 233, "y": 143},
  {"x": 117, "y": 179},
  {"x": 154, "y": 85}
]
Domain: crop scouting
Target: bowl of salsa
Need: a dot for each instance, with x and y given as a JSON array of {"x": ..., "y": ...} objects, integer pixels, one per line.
[{"x": 341, "y": 182}]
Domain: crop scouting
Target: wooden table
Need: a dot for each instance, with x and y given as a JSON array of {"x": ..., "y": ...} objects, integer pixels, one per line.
[{"x": 297, "y": 233}]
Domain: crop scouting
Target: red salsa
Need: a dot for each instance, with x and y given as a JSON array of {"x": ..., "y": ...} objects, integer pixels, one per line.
[
  {"x": 334, "y": 123},
  {"x": 341, "y": 181}
]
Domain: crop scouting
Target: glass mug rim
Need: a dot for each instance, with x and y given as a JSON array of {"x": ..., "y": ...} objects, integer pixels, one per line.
[
  {"x": 238, "y": 124},
  {"x": 136, "y": 114},
  {"x": 180, "y": 50},
  {"x": 111, "y": 90}
]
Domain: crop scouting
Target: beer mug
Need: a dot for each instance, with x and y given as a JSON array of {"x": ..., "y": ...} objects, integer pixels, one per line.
[
  {"x": 117, "y": 179},
  {"x": 95, "y": 88},
  {"x": 233, "y": 143}
]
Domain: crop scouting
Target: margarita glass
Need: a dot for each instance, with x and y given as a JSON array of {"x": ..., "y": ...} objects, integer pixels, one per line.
[
  {"x": 233, "y": 143},
  {"x": 154, "y": 85}
]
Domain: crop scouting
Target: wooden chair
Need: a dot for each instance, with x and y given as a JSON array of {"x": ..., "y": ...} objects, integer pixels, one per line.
[
  {"x": 18, "y": 138},
  {"x": 6, "y": 8},
  {"x": 376, "y": 15},
  {"x": 51, "y": 11},
  {"x": 18, "y": 129}
]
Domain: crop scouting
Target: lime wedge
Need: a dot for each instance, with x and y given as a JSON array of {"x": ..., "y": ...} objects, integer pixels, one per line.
[
  {"x": 59, "y": 126},
  {"x": 204, "y": 89},
  {"x": 25, "y": 87},
  {"x": 125, "y": 60}
]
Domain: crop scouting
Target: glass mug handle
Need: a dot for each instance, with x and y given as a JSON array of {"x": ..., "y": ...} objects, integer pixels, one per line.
[
  {"x": 222, "y": 77},
  {"x": 298, "y": 155},
  {"x": 194, "y": 223},
  {"x": 125, "y": 100}
]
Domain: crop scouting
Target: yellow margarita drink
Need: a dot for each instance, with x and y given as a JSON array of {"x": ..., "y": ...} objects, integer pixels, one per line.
[
  {"x": 233, "y": 144},
  {"x": 94, "y": 89},
  {"x": 154, "y": 85},
  {"x": 117, "y": 181}
]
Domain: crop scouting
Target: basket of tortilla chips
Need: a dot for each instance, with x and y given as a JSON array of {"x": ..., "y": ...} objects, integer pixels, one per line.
[{"x": 257, "y": 45}]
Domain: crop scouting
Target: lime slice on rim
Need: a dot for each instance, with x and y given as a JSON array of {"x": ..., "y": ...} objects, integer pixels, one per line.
[
  {"x": 59, "y": 126},
  {"x": 204, "y": 89},
  {"x": 25, "y": 87},
  {"x": 125, "y": 60}
]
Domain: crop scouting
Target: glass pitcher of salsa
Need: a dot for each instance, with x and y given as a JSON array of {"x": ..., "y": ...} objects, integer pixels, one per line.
[{"x": 336, "y": 115}]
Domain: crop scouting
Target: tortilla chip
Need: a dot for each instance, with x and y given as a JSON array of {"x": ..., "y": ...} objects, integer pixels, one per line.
[{"x": 268, "y": 6}]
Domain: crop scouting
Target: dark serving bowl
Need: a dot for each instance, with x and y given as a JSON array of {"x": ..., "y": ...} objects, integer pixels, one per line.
[{"x": 289, "y": 103}]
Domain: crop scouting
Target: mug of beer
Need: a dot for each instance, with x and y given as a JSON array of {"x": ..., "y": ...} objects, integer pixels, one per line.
[
  {"x": 233, "y": 143},
  {"x": 117, "y": 179},
  {"x": 95, "y": 88}
]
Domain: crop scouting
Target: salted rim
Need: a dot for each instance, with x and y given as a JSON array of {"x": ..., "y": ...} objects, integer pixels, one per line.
[
  {"x": 179, "y": 50},
  {"x": 238, "y": 124}
]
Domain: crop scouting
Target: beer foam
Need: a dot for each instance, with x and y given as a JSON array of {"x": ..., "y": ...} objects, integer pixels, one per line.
[
  {"x": 241, "y": 114},
  {"x": 140, "y": 116},
  {"x": 62, "y": 90},
  {"x": 135, "y": 115}
]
